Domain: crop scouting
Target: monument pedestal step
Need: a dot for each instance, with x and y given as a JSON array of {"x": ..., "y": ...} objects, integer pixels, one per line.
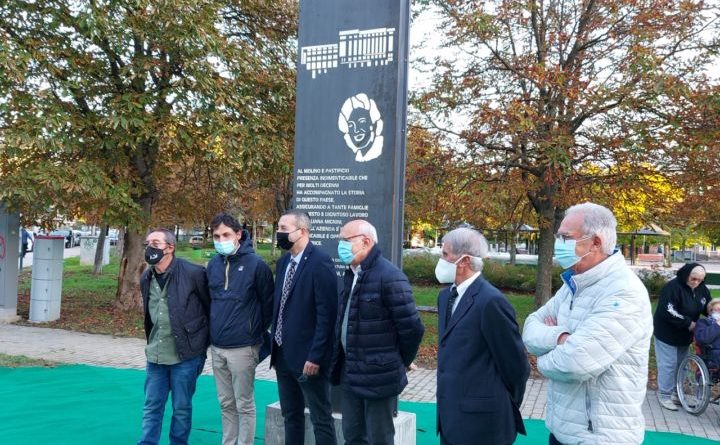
[{"x": 405, "y": 426}]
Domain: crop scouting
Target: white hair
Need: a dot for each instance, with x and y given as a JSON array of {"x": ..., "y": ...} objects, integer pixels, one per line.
[
  {"x": 367, "y": 229},
  {"x": 598, "y": 221},
  {"x": 467, "y": 241}
]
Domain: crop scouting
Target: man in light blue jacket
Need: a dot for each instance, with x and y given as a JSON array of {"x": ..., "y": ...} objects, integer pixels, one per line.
[{"x": 593, "y": 337}]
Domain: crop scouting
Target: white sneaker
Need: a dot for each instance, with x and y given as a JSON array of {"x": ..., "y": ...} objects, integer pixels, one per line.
[
  {"x": 668, "y": 404},
  {"x": 675, "y": 399}
]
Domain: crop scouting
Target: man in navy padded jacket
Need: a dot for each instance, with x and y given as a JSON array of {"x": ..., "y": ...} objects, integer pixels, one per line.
[{"x": 241, "y": 292}]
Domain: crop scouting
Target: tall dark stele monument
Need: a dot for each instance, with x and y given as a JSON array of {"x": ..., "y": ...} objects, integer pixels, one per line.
[{"x": 350, "y": 118}]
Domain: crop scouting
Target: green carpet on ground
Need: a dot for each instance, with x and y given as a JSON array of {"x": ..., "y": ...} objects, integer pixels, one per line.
[{"x": 82, "y": 405}]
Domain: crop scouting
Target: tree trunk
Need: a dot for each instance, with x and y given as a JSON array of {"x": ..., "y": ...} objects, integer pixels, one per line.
[
  {"x": 549, "y": 220},
  {"x": 254, "y": 233},
  {"x": 120, "y": 243},
  {"x": 100, "y": 252},
  {"x": 132, "y": 266},
  {"x": 273, "y": 240},
  {"x": 543, "y": 289}
]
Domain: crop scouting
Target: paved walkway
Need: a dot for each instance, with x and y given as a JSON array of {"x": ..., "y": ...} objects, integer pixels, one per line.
[{"x": 105, "y": 350}]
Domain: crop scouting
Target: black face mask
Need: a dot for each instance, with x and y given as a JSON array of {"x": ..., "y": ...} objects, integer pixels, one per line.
[
  {"x": 283, "y": 240},
  {"x": 153, "y": 255}
]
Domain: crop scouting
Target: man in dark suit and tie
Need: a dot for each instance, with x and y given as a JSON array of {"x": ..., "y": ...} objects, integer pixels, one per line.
[
  {"x": 305, "y": 307},
  {"x": 482, "y": 363}
]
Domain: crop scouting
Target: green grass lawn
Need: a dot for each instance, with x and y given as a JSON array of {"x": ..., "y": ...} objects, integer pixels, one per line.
[
  {"x": 87, "y": 301},
  {"x": 20, "y": 361}
]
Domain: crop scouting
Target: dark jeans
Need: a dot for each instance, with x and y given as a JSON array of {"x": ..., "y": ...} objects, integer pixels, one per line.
[
  {"x": 366, "y": 421},
  {"x": 180, "y": 380},
  {"x": 293, "y": 395},
  {"x": 553, "y": 440}
]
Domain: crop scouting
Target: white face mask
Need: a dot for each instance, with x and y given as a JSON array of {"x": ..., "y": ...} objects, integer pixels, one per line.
[
  {"x": 715, "y": 315},
  {"x": 445, "y": 270}
]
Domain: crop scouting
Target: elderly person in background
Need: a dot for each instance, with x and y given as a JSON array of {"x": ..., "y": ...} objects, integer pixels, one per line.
[
  {"x": 707, "y": 333},
  {"x": 682, "y": 300},
  {"x": 592, "y": 338}
]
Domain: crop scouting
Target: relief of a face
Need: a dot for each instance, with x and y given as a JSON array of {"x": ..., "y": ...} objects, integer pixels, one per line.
[{"x": 360, "y": 127}]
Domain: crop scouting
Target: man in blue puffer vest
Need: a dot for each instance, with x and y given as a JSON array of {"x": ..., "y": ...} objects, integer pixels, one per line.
[
  {"x": 241, "y": 292},
  {"x": 378, "y": 332}
]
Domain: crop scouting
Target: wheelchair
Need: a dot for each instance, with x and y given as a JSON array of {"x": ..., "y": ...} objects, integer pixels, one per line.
[{"x": 696, "y": 381}]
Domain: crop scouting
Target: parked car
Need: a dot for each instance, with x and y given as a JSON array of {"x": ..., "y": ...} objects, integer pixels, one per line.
[
  {"x": 67, "y": 234},
  {"x": 70, "y": 239},
  {"x": 196, "y": 241}
]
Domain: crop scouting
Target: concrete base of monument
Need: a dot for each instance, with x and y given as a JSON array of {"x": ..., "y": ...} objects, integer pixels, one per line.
[
  {"x": 405, "y": 426},
  {"x": 8, "y": 315}
]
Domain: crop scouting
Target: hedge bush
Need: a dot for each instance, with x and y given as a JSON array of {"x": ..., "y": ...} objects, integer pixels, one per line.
[
  {"x": 517, "y": 277},
  {"x": 654, "y": 279},
  {"x": 420, "y": 269}
]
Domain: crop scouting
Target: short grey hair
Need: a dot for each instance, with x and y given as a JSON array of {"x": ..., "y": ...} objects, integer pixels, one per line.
[
  {"x": 598, "y": 221},
  {"x": 367, "y": 229},
  {"x": 467, "y": 241},
  {"x": 302, "y": 219},
  {"x": 167, "y": 234}
]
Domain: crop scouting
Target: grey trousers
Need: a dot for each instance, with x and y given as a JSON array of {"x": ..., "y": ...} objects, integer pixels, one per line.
[
  {"x": 668, "y": 358},
  {"x": 234, "y": 371},
  {"x": 366, "y": 421}
]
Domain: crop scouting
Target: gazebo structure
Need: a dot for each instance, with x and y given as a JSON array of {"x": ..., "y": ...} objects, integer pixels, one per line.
[{"x": 649, "y": 230}]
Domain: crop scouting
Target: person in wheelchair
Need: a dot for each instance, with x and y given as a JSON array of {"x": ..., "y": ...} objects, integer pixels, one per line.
[{"x": 707, "y": 336}]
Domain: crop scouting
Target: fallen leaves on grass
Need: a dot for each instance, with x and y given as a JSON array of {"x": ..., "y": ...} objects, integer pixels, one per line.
[{"x": 79, "y": 312}]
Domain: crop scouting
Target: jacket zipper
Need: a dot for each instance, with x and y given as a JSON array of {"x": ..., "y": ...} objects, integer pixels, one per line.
[
  {"x": 227, "y": 272},
  {"x": 588, "y": 406}
]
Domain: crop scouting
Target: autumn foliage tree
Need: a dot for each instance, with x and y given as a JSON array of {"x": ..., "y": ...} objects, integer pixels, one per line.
[
  {"x": 550, "y": 87},
  {"x": 430, "y": 195},
  {"x": 140, "y": 109},
  {"x": 445, "y": 189}
]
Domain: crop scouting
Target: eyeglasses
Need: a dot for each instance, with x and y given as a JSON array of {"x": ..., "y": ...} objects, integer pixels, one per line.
[
  {"x": 350, "y": 237},
  {"x": 155, "y": 244},
  {"x": 565, "y": 238}
]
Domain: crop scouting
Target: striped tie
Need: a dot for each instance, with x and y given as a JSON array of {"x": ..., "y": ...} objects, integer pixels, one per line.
[{"x": 283, "y": 298}]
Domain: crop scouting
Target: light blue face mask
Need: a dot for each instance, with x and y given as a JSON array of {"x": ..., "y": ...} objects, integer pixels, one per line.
[
  {"x": 345, "y": 252},
  {"x": 224, "y": 247},
  {"x": 565, "y": 252}
]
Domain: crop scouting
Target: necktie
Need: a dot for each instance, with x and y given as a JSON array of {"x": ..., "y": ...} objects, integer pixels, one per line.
[
  {"x": 450, "y": 304},
  {"x": 283, "y": 298}
]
